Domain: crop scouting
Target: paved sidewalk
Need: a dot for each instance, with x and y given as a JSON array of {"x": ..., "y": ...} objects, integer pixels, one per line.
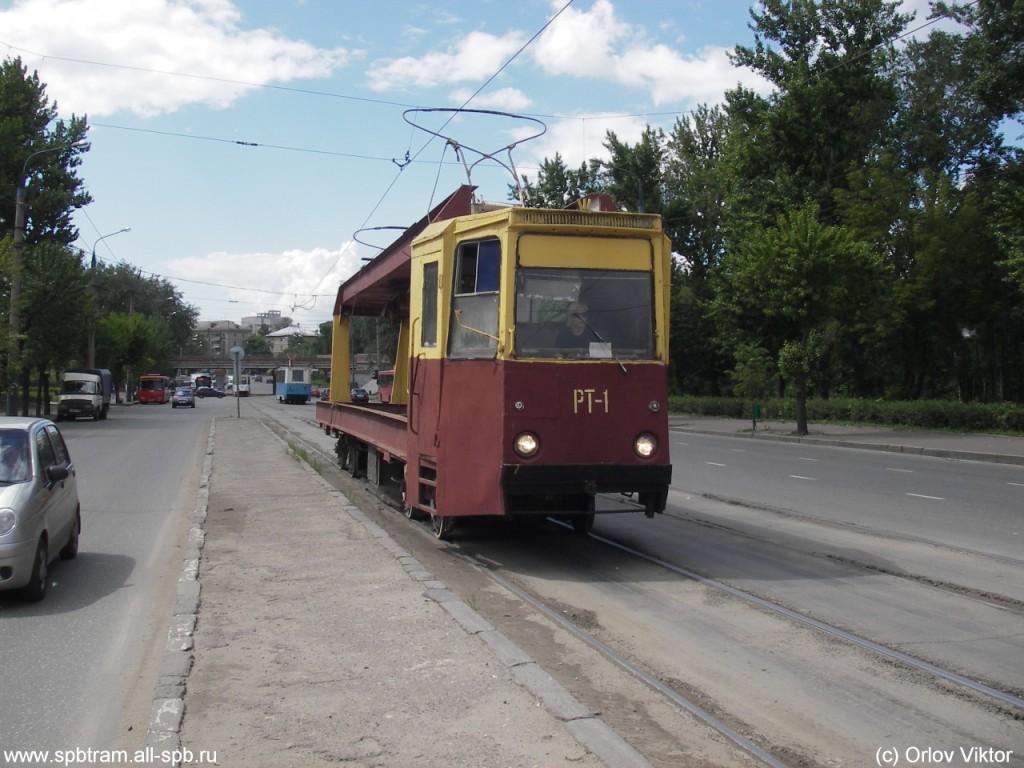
[
  {"x": 320, "y": 641},
  {"x": 956, "y": 445}
]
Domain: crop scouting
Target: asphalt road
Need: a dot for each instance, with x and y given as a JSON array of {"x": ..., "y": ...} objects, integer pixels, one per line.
[
  {"x": 79, "y": 668},
  {"x": 961, "y": 504}
]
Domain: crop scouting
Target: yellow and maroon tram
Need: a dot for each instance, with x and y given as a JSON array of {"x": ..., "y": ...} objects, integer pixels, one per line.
[{"x": 531, "y": 370}]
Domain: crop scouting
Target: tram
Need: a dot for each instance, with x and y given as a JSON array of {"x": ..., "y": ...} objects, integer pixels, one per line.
[
  {"x": 531, "y": 370},
  {"x": 292, "y": 383}
]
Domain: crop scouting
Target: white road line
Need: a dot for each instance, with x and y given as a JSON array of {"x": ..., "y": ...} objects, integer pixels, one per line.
[
  {"x": 897, "y": 469},
  {"x": 805, "y": 458},
  {"x": 714, "y": 464},
  {"x": 922, "y": 496},
  {"x": 738, "y": 450},
  {"x": 1019, "y": 485},
  {"x": 801, "y": 477}
]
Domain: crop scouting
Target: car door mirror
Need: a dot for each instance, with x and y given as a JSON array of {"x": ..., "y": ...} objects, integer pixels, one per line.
[{"x": 56, "y": 473}]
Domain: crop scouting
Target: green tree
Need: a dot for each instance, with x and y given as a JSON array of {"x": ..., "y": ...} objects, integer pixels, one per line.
[
  {"x": 53, "y": 329},
  {"x": 28, "y": 124},
  {"x": 830, "y": 62},
  {"x": 132, "y": 341},
  {"x": 256, "y": 345},
  {"x": 558, "y": 186},
  {"x": 634, "y": 173},
  {"x": 794, "y": 284}
]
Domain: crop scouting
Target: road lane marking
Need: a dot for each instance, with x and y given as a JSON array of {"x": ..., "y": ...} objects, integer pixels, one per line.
[
  {"x": 738, "y": 450},
  {"x": 805, "y": 458},
  {"x": 897, "y": 469},
  {"x": 922, "y": 496},
  {"x": 1019, "y": 485},
  {"x": 714, "y": 464},
  {"x": 801, "y": 477}
]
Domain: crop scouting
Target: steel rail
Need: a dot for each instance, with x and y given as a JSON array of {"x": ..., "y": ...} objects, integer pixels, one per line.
[
  {"x": 681, "y": 701},
  {"x": 870, "y": 645}
]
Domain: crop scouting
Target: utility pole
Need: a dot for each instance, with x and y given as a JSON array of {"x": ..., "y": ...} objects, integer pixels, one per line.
[{"x": 92, "y": 289}]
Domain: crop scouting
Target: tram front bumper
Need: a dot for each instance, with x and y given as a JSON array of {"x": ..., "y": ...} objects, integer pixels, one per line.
[{"x": 526, "y": 487}]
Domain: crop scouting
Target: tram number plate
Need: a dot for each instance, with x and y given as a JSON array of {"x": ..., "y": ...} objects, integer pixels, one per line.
[{"x": 589, "y": 400}]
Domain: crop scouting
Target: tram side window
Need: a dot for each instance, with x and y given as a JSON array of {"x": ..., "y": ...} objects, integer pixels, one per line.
[
  {"x": 474, "y": 325},
  {"x": 428, "y": 334}
]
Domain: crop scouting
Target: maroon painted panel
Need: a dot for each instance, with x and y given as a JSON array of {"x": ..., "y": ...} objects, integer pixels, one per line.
[
  {"x": 470, "y": 432},
  {"x": 585, "y": 413}
]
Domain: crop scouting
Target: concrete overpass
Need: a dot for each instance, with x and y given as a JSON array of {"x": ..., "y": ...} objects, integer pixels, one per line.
[{"x": 192, "y": 363}]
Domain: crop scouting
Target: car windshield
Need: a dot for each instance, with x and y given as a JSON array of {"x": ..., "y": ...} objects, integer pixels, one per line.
[
  {"x": 151, "y": 384},
  {"x": 183, "y": 393},
  {"x": 584, "y": 313},
  {"x": 15, "y": 465},
  {"x": 78, "y": 388}
]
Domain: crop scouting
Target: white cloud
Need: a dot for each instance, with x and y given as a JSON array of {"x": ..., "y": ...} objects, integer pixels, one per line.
[
  {"x": 581, "y": 43},
  {"x": 581, "y": 139},
  {"x": 296, "y": 273},
  {"x": 595, "y": 44},
  {"x": 198, "y": 37},
  {"x": 672, "y": 78},
  {"x": 474, "y": 57},
  {"x": 507, "y": 99}
]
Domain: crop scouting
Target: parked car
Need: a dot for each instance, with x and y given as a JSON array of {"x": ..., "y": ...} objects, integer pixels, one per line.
[
  {"x": 314, "y": 392},
  {"x": 184, "y": 397},
  {"x": 359, "y": 395},
  {"x": 40, "y": 517},
  {"x": 209, "y": 392}
]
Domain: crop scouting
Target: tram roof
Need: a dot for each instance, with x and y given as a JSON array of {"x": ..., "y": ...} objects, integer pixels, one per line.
[{"x": 380, "y": 281}]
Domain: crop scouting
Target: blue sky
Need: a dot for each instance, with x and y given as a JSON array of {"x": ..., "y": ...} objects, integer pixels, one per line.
[{"x": 280, "y": 217}]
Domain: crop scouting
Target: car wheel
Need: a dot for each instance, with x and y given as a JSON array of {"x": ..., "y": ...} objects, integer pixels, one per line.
[
  {"x": 70, "y": 550},
  {"x": 193, "y": 403},
  {"x": 36, "y": 588}
]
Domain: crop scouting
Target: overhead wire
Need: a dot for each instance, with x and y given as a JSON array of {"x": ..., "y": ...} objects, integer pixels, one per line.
[{"x": 472, "y": 96}]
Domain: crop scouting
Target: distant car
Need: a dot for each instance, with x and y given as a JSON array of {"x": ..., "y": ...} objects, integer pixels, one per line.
[
  {"x": 184, "y": 397},
  {"x": 359, "y": 395},
  {"x": 314, "y": 392},
  {"x": 39, "y": 512},
  {"x": 209, "y": 392}
]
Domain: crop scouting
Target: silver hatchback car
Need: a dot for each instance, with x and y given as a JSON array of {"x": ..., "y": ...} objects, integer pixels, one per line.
[{"x": 39, "y": 511}]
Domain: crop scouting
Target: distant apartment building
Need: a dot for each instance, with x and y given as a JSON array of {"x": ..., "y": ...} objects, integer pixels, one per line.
[
  {"x": 271, "y": 320},
  {"x": 281, "y": 339},
  {"x": 221, "y": 335}
]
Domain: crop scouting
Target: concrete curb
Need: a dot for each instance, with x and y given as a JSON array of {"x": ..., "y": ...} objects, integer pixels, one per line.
[
  {"x": 168, "y": 710},
  {"x": 914, "y": 450},
  {"x": 581, "y": 722}
]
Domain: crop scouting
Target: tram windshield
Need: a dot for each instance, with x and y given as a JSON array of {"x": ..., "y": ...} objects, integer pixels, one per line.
[{"x": 584, "y": 314}]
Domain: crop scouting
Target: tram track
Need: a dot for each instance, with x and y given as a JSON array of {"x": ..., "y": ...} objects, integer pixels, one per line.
[
  {"x": 1005, "y": 698},
  {"x": 739, "y": 731}
]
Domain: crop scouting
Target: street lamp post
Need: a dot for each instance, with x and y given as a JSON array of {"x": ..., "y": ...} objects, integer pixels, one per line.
[
  {"x": 92, "y": 288},
  {"x": 17, "y": 261}
]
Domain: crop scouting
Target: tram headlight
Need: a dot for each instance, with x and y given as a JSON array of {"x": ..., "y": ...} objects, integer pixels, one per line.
[
  {"x": 526, "y": 444},
  {"x": 645, "y": 445}
]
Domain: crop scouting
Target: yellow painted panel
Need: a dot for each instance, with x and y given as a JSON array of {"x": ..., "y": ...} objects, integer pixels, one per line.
[
  {"x": 340, "y": 362},
  {"x": 400, "y": 389},
  {"x": 584, "y": 252}
]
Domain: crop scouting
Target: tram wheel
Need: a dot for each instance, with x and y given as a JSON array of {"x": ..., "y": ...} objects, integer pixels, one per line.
[{"x": 442, "y": 526}]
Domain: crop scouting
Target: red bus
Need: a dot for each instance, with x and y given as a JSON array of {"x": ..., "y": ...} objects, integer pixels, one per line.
[
  {"x": 154, "y": 388},
  {"x": 385, "y": 383}
]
